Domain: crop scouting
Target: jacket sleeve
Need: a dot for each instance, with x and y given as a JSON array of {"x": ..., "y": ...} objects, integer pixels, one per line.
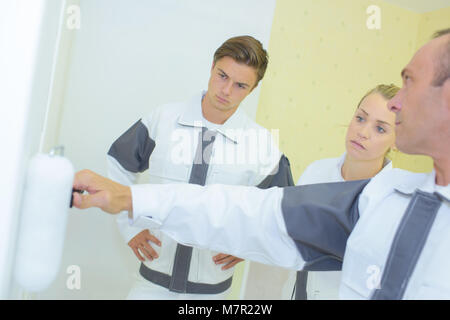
[
  {"x": 127, "y": 157},
  {"x": 274, "y": 169},
  {"x": 289, "y": 227},
  {"x": 319, "y": 218},
  {"x": 281, "y": 176}
]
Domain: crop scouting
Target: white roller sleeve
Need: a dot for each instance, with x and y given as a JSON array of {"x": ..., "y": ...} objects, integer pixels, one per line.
[{"x": 46, "y": 201}]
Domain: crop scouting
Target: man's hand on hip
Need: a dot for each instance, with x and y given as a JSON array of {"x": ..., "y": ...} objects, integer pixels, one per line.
[
  {"x": 229, "y": 260},
  {"x": 140, "y": 244}
]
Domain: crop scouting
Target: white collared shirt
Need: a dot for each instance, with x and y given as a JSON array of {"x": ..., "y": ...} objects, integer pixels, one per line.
[{"x": 329, "y": 170}]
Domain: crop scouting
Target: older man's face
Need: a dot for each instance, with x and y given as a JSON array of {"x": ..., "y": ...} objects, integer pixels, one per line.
[{"x": 420, "y": 107}]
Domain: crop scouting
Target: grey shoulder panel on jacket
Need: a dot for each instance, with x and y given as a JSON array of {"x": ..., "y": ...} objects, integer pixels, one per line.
[
  {"x": 281, "y": 177},
  {"x": 319, "y": 218},
  {"x": 133, "y": 148}
]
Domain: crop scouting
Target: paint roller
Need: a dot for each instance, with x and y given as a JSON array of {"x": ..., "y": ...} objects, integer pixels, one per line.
[{"x": 45, "y": 206}]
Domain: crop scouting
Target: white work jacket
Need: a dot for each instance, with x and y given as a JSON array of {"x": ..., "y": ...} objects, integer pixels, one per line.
[
  {"x": 165, "y": 142},
  {"x": 324, "y": 285},
  {"x": 389, "y": 234}
]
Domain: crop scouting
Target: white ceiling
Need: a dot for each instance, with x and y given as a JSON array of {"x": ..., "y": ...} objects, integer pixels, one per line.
[{"x": 421, "y": 5}]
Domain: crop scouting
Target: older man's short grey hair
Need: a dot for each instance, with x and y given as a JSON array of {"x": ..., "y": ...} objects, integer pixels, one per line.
[{"x": 443, "y": 60}]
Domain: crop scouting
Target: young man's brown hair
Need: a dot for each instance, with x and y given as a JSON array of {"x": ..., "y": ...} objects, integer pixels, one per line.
[{"x": 247, "y": 50}]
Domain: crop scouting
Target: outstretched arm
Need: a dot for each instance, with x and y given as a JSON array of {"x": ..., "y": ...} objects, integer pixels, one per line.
[
  {"x": 243, "y": 221},
  {"x": 294, "y": 227}
]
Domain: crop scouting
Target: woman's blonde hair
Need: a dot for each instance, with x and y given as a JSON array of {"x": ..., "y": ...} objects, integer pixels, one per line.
[{"x": 388, "y": 91}]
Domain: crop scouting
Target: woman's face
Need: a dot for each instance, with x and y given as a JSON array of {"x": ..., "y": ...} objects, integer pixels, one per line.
[{"x": 372, "y": 130}]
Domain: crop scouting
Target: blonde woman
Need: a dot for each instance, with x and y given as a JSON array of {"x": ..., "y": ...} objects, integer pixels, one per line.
[{"x": 370, "y": 137}]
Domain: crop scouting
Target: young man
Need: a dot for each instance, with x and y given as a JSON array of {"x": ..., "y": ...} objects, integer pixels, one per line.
[
  {"x": 389, "y": 235},
  {"x": 202, "y": 141}
]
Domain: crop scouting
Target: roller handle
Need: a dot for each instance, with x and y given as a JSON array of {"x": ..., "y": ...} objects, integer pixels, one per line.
[{"x": 71, "y": 199}]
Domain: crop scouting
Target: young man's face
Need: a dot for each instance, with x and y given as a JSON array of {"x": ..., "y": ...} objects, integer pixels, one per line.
[
  {"x": 420, "y": 107},
  {"x": 229, "y": 84}
]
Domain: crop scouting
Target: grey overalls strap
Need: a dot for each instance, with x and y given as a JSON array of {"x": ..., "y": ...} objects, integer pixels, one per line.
[
  {"x": 133, "y": 150},
  {"x": 407, "y": 245},
  {"x": 178, "y": 282},
  {"x": 199, "y": 172},
  {"x": 301, "y": 282}
]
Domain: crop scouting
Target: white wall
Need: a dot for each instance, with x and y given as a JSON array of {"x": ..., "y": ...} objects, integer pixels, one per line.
[
  {"x": 28, "y": 35},
  {"x": 127, "y": 58},
  {"x": 57, "y": 90}
]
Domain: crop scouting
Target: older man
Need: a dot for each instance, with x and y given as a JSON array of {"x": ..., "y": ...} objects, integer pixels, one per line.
[{"x": 389, "y": 234}]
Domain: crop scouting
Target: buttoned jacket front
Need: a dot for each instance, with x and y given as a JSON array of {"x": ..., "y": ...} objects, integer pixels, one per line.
[{"x": 165, "y": 142}]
